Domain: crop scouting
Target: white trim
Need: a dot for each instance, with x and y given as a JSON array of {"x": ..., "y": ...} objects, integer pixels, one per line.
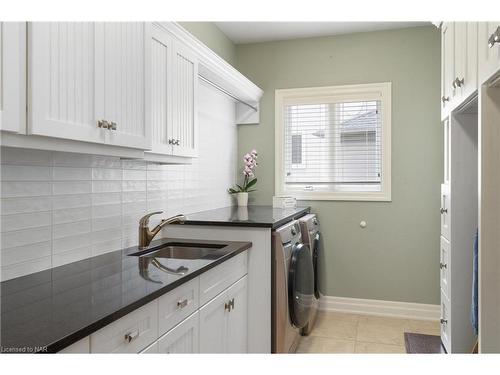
[
  {"x": 392, "y": 309},
  {"x": 335, "y": 93}
]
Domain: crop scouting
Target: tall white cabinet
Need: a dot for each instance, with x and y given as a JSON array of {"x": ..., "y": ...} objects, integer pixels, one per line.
[
  {"x": 469, "y": 193},
  {"x": 90, "y": 82}
]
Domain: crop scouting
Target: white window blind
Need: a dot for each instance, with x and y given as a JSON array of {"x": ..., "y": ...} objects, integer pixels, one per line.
[{"x": 334, "y": 143}]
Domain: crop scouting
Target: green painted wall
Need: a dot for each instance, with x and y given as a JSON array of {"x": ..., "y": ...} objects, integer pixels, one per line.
[
  {"x": 209, "y": 34},
  {"x": 396, "y": 257}
]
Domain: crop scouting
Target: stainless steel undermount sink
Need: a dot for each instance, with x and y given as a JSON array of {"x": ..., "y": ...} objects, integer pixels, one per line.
[{"x": 183, "y": 251}]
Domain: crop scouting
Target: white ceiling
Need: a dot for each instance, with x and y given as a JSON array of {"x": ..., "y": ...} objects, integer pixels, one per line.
[{"x": 252, "y": 32}]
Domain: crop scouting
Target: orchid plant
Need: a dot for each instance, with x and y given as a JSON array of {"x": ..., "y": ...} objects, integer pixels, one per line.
[{"x": 249, "y": 181}]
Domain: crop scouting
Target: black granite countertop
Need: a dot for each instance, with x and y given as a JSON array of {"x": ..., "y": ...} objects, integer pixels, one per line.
[
  {"x": 50, "y": 310},
  {"x": 251, "y": 216}
]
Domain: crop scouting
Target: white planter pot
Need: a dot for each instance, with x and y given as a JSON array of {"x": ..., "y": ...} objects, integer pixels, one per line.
[{"x": 242, "y": 199}]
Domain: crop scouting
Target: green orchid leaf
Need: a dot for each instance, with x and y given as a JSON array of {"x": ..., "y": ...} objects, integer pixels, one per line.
[{"x": 251, "y": 183}]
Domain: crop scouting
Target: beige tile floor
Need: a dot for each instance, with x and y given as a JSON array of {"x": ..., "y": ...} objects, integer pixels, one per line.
[{"x": 349, "y": 333}]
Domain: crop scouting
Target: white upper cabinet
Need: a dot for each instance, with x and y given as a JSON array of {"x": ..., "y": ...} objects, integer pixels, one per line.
[
  {"x": 488, "y": 49},
  {"x": 185, "y": 110},
  {"x": 447, "y": 67},
  {"x": 174, "y": 97},
  {"x": 459, "y": 63},
  {"x": 90, "y": 82},
  {"x": 161, "y": 91},
  {"x": 123, "y": 81},
  {"x": 13, "y": 77},
  {"x": 465, "y": 78}
]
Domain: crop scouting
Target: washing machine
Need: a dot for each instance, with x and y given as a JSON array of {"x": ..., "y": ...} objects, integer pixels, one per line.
[
  {"x": 292, "y": 287},
  {"x": 311, "y": 235}
]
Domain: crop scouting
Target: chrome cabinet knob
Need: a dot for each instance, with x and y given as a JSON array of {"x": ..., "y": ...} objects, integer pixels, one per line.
[
  {"x": 458, "y": 82},
  {"x": 103, "y": 124},
  {"x": 443, "y": 321},
  {"x": 445, "y": 98},
  {"x": 182, "y": 304},
  {"x": 177, "y": 142},
  {"x": 443, "y": 265},
  {"x": 170, "y": 141},
  {"x": 443, "y": 211},
  {"x": 129, "y": 337},
  {"x": 112, "y": 126},
  {"x": 494, "y": 38}
]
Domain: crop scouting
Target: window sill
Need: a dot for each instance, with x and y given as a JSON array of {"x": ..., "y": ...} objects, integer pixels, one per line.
[{"x": 361, "y": 197}]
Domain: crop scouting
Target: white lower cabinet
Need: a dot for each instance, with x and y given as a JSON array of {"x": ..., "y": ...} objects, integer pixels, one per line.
[
  {"x": 175, "y": 323},
  {"x": 184, "y": 338},
  {"x": 223, "y": 321}
]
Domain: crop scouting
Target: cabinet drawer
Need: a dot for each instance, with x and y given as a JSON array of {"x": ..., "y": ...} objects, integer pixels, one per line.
[
  {"x": 183, "y": 338},
  {"x": 129, "y": 334},
  {"x": 178, "y": 304},
  {"x": 221, "y": 277},
  {"x": 445, "y": 322},
  {"x": 82, "y": 346},
  {"x": 445, "y": 211},
  {"x": 444, "y": 266}
]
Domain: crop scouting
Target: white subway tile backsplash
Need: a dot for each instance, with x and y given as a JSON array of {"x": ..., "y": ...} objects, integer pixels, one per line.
[
  {"x": 72, "y": 201},
  {"x": 106, "y": 186},
  {"x": 60, "y": 207},
  {"x": 25, "y": 189},
  {"x": 71, "y": 215},
  {"x": 106, "y": 174},
  {"x": 64, "y": 188},
  {"x": 71, "y": 229},
  {"x": 23, "y": 221},
  {"x": 26, "y": 237},
  {"x": 71, "y": 174},
  {"x": 25, "y": 173},
  {"x": 30, "y": 204}
]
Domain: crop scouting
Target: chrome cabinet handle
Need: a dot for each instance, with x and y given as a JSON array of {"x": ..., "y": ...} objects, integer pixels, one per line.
[
  {"x": 177, "y": 142},
  {"x": 445, "y": 98},
  {"x": 112, "y": 126},
  {"x": 182, "y": 304},
  {"x": 494, "y": 38},
  {"x": 443, "y": 265},
  {"x": 443, "y": 321},
  {"x": 129, "y": 337},
  {"x": 231, "y": 303},
  {"x": 443, "y": 211},
  {"x": 227, "y": 306}
]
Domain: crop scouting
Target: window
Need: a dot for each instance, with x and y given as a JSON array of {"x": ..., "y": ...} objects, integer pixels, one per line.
[{"x": 334, "y": 143}]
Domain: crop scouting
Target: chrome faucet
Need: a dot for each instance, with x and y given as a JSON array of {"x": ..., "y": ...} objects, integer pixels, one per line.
[{"x": 146, "y": 235}]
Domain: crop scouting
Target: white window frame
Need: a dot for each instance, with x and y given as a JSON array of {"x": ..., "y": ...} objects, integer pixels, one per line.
[{"x": 313, "y": 95}]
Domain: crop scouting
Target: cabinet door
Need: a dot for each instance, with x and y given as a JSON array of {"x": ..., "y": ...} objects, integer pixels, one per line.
[
  {"x": 185, "y": 109},
  {"x": 123, "y": 81},
  {"x": 184, "y": 338},
  {"x": 13, "y": 77},
  {"x": 447, "y": 67},
  {"x": 470, "y": 75},
  {"x": 444, "y": 262},
  {"x": 447, "y": 135},
  {"x": 62, "y": 73},
  {"x": 445, "y": 323},
  {"x": 161, "y": 91},
  {"x": 213, "y": 325},
  {"x": 460, "y": 59},
  {"x": 489, "y": 56},
  {"x": 237, "y": 331}
]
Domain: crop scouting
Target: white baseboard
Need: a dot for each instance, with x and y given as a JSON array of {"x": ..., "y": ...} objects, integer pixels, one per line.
[{"x": 393, "y": 309}]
